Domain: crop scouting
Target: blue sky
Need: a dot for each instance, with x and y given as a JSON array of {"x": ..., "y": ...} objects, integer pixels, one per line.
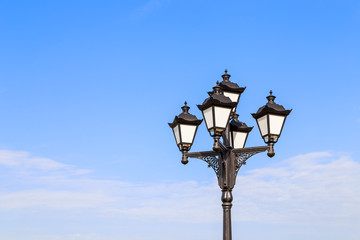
[{"x": 87, "y": 89}]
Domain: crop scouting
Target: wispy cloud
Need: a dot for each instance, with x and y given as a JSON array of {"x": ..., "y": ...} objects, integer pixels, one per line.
[
  {"x": 24, "y": 161},
  {"x": 316, "y": 188}
]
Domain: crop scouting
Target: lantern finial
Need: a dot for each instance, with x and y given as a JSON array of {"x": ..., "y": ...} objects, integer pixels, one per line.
[
  {"x": 185, "y": 108},
  {"x": 217, "y": 88},
  {"x": 226, "y": 76},
  {"x": 271, "y": 97}
]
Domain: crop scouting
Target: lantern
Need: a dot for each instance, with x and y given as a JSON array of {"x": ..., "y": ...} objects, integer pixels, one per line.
[
  {"x": 216, "y": 110},
  {"x": 238, "y": 133},
  {"x": 230, "y": 89},
  {"x": 270, "y": 119},
  {"x": 184, "y": 128}
]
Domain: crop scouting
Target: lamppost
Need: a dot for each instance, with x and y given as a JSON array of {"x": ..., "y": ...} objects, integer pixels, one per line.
[{"x": 226, "y": 158}]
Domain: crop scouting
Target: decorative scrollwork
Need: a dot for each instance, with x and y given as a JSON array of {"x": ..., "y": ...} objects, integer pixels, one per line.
[
  {"x": 213, "y": 162},
  {"x": 210, "y": 157},
  {"x": 243, "y": 154},
  {"x": 242, "y": 157}
]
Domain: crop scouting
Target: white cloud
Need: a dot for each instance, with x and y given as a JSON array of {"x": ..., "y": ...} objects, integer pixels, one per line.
[
  {"x": 57, "y": 200},
  {"x": 75, "y": 236},
  {"x": 24, "y": 160},
  {"x": 315, "y": 188}
]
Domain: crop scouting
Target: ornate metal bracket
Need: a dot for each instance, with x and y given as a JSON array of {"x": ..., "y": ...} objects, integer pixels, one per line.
[
  {"x": 210, "y": 157},
  {"x": 214, "y": 159},
  {"x": 243, "y": 154}
]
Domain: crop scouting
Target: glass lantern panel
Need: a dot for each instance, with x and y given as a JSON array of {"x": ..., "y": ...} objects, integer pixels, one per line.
[
  {"x": 177, "y": 134},
  {"x": 222, "y": 117},
  {"x": 208, "y": 115},
  {"x": 239, "y": 139},
  {"x": 187, "y": 133},
  {"x": 263, "y": 125},
  {"x": 233, "y": 96},
  {"x": 276, "y": 123}
]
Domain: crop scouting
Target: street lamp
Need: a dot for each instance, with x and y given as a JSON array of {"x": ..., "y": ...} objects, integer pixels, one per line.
[
  {"x": 221, "y": 120},
  {"x": 184, "y": 128},
  {"x": 216, "y": 110},
  {"x": 270, "y": 119},
  {"x": 231, "y": 89},
  {"x": 238, "y": 133}
]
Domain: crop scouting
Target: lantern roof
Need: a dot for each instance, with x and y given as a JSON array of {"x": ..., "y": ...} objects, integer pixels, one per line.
[
  {"x": 227, "y": 85},
  {"x": 217, "y": 98},
  {"x": 185, "y": 117},
  {"x": 236, "y": 125},
  {"x": 271, "y": 107}
]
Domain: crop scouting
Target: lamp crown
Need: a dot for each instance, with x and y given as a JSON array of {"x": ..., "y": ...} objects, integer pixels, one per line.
[
  {"x": 185, "y": 108},
  {"x": 217, "y": 88},
  {"x": 271, "y": 97},
  {"x": 226, "y": 76}
]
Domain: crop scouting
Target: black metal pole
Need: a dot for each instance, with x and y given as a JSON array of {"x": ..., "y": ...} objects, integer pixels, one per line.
[
  {"x": 226, "y": 164},
  {"x": 226, "y": 198},
  {"x": 227, "y": 182}
]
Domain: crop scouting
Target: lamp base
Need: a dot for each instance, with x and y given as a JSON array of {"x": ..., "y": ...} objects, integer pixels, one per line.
[
  {"x": 216, "y": 146},
  {"x": 184, "y": 159},
  {"x": 271, "y": 152}
]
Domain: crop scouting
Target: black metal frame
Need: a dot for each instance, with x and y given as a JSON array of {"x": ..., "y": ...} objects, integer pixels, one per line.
[
  {"x": 185, "y": 118},
  {"x": 225, "y": 160},
  {"x": 181, "y": 142},
  {"x": 236, "y": 126},
  {"x": 217, "y": 99},
  {"x": 214, "y": 128},
  {"x": 226, "y": 164},
  {"x": 231, "y": 87},
  {"x": 271, "y": 108},
  {"x": 269, "y": 134}
]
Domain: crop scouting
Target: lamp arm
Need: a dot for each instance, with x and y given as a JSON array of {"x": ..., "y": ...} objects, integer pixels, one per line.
[
  {"x": 212, "y": 158},
  {"x": 215, "y": 160}
]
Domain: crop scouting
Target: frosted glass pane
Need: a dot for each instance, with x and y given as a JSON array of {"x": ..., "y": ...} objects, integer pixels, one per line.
[
  {"x": 187, "y": 133},
  {"x": 221, "y": 117},
  {"x": 239, "y": 139},
  {"x": 208, "y": 117},
  {"x": 176, "y": 133},
  {"x": 233, "y": 96},
  {"x": 262, "y": 122},
  {"x": 276, "y": 123}
]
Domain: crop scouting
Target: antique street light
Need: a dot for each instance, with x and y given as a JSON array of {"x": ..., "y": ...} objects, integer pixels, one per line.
[
  {"x": 270, "y": 119},
  {"x": 184, "y": 128},
  {"x": 231, "y": 89},
  {"x": 221, "y": 120},
  {"x": 238, "y": 133},
  {"x": 216, "y": 110}
]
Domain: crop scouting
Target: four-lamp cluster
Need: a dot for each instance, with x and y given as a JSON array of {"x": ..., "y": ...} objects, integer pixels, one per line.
[{"x": 228, "y": 155}]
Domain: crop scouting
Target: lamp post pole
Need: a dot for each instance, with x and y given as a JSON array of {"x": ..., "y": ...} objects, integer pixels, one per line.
[
  {"x": 228, "y": 155},
  {"x": 226, "y": 164}
]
